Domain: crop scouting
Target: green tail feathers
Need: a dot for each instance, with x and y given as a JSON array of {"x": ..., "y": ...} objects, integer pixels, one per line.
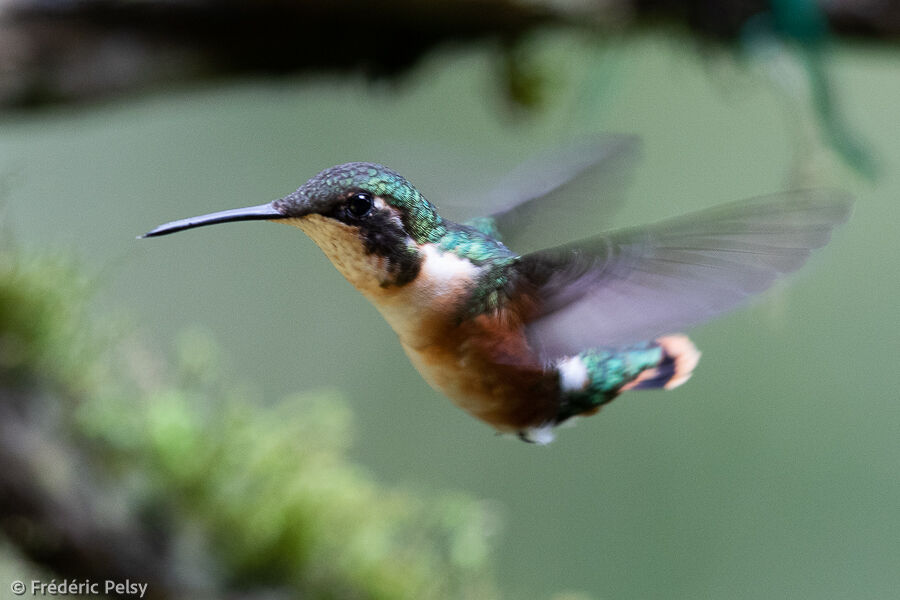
[{"x": 594, "y": 377}]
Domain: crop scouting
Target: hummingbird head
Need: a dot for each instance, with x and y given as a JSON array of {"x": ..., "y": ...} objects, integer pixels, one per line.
[
  {"x": 366, "y": 196},
  {"x": 369, "y": 220}
]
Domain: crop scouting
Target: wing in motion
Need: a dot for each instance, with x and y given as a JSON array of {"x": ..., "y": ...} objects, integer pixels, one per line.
[
  {"x": 588, "y": 177},
  {"x": 635, "y": 284}
]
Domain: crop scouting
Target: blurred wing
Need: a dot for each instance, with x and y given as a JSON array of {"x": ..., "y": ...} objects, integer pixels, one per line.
[
  {"x": 636, "y": 284},
  {"x": 551, "y": 192}
]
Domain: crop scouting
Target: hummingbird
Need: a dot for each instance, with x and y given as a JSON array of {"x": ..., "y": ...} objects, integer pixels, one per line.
[{"x": 526, "y": 342}]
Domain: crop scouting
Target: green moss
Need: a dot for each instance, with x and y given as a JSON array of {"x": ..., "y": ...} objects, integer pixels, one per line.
[{"x": 262, "y": 495}]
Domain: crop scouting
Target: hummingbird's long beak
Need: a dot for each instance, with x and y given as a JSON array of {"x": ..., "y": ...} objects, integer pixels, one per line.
[{"x": 262, "y": 212}]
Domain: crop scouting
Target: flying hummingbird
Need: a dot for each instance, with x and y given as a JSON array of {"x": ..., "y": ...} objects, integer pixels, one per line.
[{"x": 527, "y": 341}]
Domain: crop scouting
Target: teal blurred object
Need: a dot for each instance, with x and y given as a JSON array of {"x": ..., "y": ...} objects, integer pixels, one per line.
[{"x": 796, "y": 31}]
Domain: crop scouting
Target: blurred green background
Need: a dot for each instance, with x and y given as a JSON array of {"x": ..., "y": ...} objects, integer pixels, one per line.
[{"x": 773, "y": 474}]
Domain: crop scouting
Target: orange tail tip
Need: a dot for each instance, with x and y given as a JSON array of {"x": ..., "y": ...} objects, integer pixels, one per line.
[
  {"x": 685, "y": 355},
  {"x": 680, "y": 357}
]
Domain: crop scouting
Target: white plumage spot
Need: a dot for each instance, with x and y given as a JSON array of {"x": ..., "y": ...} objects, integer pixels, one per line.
[
  {"x": 541, "y": 436},
  {"x": 573, "y": 375},
  {"x": 442, "y": 267}
]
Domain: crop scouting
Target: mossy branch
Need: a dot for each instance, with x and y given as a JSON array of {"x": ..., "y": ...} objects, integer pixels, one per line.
[{"x": 115, "y": 465}]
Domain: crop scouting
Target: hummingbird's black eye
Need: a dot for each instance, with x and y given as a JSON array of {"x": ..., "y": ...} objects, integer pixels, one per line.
[{"x": 359, "y": 204}]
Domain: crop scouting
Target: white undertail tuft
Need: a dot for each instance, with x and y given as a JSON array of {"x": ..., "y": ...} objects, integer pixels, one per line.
[
  {"x": 573, "y": 374},
  {"x": 541, "y": 436}
]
